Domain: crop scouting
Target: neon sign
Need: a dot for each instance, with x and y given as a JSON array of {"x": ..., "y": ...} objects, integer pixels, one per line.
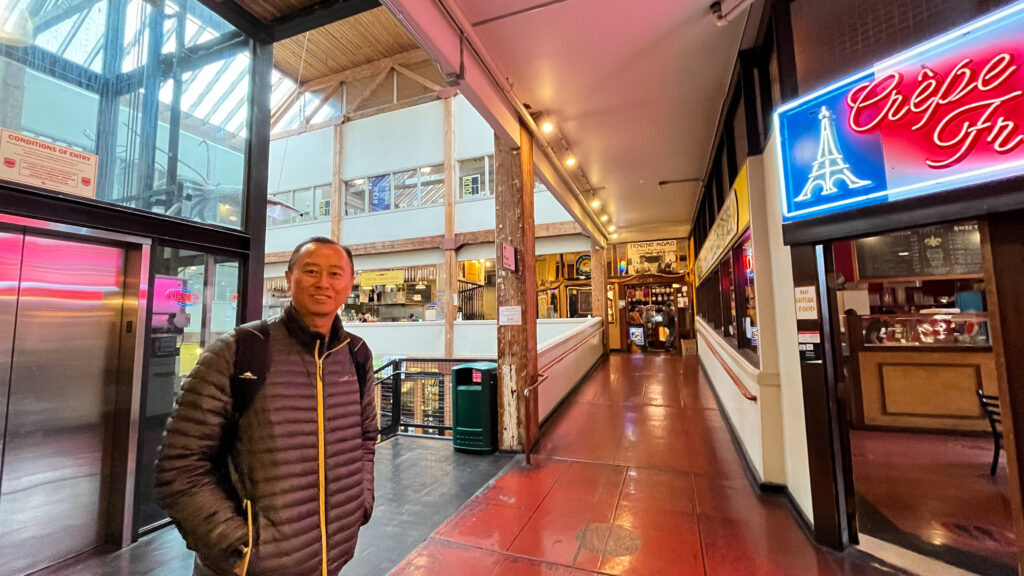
[
  {"x": 944, "y": 115},
  {"x": 182, "y": 296}
]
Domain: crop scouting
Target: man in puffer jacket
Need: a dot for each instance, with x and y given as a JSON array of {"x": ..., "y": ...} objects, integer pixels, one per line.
[{"x": 301, "y": 470}]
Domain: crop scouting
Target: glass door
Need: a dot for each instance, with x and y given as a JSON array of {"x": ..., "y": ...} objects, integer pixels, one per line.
[{"x": 193, "y": 301}]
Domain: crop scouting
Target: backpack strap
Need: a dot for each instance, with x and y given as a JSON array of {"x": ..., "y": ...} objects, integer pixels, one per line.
[
  {"x": 252, "y": 358},
  {"x": 361, "y": 374}
]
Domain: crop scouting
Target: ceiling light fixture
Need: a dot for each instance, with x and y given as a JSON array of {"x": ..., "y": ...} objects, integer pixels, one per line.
[
  {"x": 547, "y": 127},
  {"x": 616, "y": 235},
  {"x": 570, "y": 161},
  {"x": 604, "y": 217},
  {"x": 611, "y": 228},
  {"x": 595, "y": 203}
]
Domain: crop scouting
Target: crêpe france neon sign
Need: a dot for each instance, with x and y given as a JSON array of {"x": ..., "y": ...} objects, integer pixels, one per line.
[{"x": 947, "y": 114}]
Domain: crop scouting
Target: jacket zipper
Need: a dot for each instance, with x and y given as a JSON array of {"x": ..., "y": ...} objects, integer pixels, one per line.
[{"x": 321, "y": 474}]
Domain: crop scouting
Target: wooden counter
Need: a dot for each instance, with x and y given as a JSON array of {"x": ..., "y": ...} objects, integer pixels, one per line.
[{"x": 923, "y": 387}]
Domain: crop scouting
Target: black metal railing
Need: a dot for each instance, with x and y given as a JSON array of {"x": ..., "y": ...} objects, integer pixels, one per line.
[{"x": 414, "y": 396}]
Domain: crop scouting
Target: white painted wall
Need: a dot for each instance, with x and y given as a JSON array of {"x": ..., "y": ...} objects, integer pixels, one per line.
[
  {"x": 301, "y": 161},
  {"x": 473, "y": 338},
  {"x": 286, "y": 238},
  {"x": 476, "y": 339},
  {"x": 274, "y": 269},
  {"x": 473, "y": 135},
  {"x": 393, "y": 225},
  {"x": 474, "y": 215},
  {"x": 476, "y": 252},
  {"x": 401, "y": 338},
  {"x": 565, "y": 373},
  {"x": 562, "y": 244},
  {"x": 398, "y": 140},
  {"x": 744, "y": 414},
  {"x": 798, "y": 475},
  {"x": 398, "y": 259},
  {"x": 547, "y": 210}
]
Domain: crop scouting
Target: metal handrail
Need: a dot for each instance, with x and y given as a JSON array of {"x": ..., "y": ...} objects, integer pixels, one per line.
[{"x": 744, "y": 391}]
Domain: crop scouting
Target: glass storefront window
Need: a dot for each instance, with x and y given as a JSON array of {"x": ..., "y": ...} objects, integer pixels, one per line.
[
  {"x": 472, "y": 178},
  {"x": 725, "y": 270},
  {"x": 746, "y": 299},
  {"x": 168, "y": 127},
  {"x": 407, "y": 193},
  {"x": 432, "y": 185},
  {"x": 355, "y": 196},
  {"x": 407, "y": 189},
  {"x": 194, "y": 301}
]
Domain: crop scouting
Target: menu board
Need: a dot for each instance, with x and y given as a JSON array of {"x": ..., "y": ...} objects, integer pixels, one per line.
[
  {"x": 935, "y": 251},
  {"x": 418, "y": 293}
]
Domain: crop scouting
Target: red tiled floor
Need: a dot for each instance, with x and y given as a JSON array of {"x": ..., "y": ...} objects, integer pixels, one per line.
[
  {"x": 448, "y": 558},
  {"x": 636, "y": 475},
  {"x": 485, "y": 525}
]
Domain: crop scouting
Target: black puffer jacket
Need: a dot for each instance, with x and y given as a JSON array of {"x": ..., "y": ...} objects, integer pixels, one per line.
[{"x": 304, "y": 456}]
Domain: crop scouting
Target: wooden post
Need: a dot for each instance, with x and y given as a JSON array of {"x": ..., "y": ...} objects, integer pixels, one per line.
[
  {"x": 1002, "y": 258},
  {"x": 517, "y": 344},
  {"x": 450, "y": 276},
  {"x": 599, "y": 287},
  {"x": 337, "y": 185}
]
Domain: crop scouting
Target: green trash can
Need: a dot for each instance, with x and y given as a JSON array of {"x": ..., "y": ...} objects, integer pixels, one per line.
[{"x": 475, "y": 408}]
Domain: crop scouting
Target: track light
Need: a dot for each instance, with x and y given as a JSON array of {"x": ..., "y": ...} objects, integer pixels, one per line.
[{"x": 570, "y": 161}]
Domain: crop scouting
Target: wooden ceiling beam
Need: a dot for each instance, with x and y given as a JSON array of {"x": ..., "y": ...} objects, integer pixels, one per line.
[
  {"x": 384, "y": 73},
  {"x": 416, "y": 77},
  {"x": 323, "y": 102},
  {"x": 241, "y": 19},
  {"x": 317, "y": 15},
  {"x": 408, "y": 58},
  {"x": 283, "y": 108}
]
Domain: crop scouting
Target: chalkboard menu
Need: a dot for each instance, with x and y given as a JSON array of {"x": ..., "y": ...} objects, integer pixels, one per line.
[
  {"x": 934, "y": 251},
  {"x": 417, "y": 293}
]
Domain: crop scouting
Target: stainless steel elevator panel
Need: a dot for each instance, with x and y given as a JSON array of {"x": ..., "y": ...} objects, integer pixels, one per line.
[
  {"x": 10, "y": 269},
  {"x": 54, "y": 484}
]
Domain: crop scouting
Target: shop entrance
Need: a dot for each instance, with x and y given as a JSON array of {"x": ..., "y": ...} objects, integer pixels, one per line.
[{"x": 919, "y": 396}]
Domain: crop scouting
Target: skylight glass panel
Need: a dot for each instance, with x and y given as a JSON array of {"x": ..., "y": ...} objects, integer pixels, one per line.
[{"x": 236, "y": 70}]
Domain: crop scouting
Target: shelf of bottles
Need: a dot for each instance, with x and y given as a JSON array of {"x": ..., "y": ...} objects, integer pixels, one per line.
[{"x": 648, "y": 295}]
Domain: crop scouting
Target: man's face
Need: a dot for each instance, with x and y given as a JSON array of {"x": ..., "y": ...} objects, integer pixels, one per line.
[{"x": 320, "y": 281}]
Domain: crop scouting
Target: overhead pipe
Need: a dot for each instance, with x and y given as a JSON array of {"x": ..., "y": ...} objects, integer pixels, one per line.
[{"x": 723, "y": 19}]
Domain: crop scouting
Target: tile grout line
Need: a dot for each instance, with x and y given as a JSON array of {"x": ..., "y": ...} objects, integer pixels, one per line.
[{"x": 700, "y": 526}]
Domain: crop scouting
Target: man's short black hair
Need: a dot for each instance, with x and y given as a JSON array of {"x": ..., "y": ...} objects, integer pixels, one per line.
[{"x": 320, "y": 240}]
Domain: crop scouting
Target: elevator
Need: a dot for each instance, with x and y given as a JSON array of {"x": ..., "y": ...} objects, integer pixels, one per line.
[{"x": 65, "y": 322}]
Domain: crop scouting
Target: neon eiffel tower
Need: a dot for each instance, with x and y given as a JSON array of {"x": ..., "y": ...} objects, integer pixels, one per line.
[{"x": 830, "y": 167}]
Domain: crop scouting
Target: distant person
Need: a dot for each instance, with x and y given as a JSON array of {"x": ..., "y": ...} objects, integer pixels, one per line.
[
  {"x": 287, "y": 492},
  {"x": 634, "y": 318},
  {"x": 668, "y": 320}
]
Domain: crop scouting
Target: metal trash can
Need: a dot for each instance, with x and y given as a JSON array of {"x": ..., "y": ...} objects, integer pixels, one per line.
[{"x": 475, "y": 408}]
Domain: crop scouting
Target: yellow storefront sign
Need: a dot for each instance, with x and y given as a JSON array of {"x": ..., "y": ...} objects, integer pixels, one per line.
[{"x": 381, "y": 278}]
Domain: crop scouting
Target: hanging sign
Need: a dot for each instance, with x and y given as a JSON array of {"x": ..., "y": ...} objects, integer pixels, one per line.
[
  {"x": 720, "y": 238},
  {"x": 508, "y": 257},
  {"x": 35, "y": 162},
  {"x": 659, "y": 257},
  {"x": 381, "y": 278},
  {"x": 943, "y": 115}
]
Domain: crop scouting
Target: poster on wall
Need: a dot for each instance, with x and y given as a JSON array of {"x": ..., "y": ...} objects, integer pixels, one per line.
[
  {"x": 636, "y": 335},
  {"x": 35, "y": 162},
  {"x": 659, "y": 257},
  {"x": 583, "y": 266},
  {"x": 380, "y": 193}
]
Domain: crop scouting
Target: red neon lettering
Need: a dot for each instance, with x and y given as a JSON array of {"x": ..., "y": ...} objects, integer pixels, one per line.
[{"x": 962, "y": 126}]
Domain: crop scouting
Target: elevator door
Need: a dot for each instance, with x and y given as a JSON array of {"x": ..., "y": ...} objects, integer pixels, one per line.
[{"x": 60, "y": 317}]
